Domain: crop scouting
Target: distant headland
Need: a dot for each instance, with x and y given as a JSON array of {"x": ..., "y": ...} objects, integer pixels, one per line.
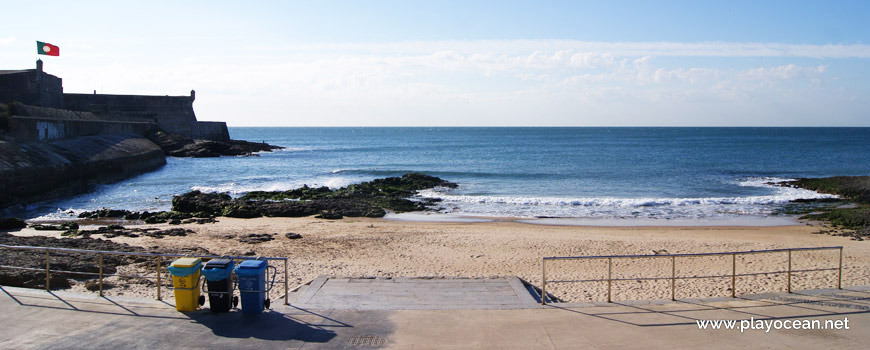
[{"x": 54, "y": 143}]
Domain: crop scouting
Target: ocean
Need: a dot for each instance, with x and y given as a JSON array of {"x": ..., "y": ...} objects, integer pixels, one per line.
[{"x": 614, "y": 174}]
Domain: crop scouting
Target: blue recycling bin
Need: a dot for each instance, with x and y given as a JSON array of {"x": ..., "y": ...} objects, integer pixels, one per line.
[{"x": 252, "y": 285}]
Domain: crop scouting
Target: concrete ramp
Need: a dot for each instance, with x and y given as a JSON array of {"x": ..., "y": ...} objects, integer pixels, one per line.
[{"x": 415, "y": 294}]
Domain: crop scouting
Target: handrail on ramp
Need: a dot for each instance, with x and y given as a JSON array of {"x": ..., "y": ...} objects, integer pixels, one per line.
[
  {"x": 673, "y": 278},
  {"x": 157, "y": 257}
]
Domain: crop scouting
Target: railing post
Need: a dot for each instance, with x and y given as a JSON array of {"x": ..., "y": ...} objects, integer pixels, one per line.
[
  {"x": 673, "y": 277},
  {"x": 47, "y": 272},
  {"x": 543, "y": 281},
  {"x": 840, "y": 271},
  {"x": 609, "y": 277},
  {"x": 733, "y": 274},
  {"x": 101, "y": 274},
  {"x": 158, "y": 277},
  {"x": 788, "y": 288},
  {"x": 286, "y": 288}
]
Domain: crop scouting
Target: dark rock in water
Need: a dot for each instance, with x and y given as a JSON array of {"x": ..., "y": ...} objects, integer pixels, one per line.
[
  {"x": 292, "y": 235},
  {"x": 105, "y": 213},
  {"x": 853, "y": 188},
  {"x": 175, "y": 217},
  {"x": 167, "y": 216},
  {"x": 856, "y": 188},
  {"x": 12, "y": 224},
  {"x": 196, "y": 201},
  {"x": 255, "y": 238},
  {"x": 241, "y": 209},
  {"x": 367, "y": 199},
  {"x": 329, "y": 215},
  {"x": 180, "y": 146}
]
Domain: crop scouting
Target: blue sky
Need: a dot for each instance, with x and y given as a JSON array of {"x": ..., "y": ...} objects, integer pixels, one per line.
[{"x": 465, "y": 63}]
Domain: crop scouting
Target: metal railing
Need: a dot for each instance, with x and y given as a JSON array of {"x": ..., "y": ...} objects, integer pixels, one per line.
[
  {"x": 673, "y": 278},
  {"x": 158, "y": 263}
]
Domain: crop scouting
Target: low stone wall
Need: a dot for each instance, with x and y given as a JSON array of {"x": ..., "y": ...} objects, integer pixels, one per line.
[
  {"x": 42, "y": 170},
  {"x": 25, "y": 129}
]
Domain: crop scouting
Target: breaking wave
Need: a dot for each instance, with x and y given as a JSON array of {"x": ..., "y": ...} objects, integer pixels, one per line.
[{"x": 597, "y": 207}]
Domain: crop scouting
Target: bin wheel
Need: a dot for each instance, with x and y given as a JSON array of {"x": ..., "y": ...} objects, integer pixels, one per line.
[
  {"x": 235, "y": 301},
  {"x": 201, "y": 300},
  {"x": 266, "y": 303}
]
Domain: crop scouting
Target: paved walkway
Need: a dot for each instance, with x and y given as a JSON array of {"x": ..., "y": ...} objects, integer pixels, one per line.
[
  {"x": 415, "y": 294},
  {"x": 35, "y": 319}
]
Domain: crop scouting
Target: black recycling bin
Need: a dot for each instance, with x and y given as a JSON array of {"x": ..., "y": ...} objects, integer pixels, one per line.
[{"x": 218, "y": 273}]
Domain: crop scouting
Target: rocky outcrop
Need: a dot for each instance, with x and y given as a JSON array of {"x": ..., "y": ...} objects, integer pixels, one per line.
[
  {"x": 158, "y": 217},
  {"x": 11, "y": 224},
  {"x": 367, "y": 199},
  {"x": 67, "y": 261},
  {"x": 855, "y": 189},
  {"x": 180, "y": 146}
]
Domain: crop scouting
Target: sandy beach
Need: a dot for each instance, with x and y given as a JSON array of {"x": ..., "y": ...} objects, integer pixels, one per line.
[{"x": 362, "y": 247}]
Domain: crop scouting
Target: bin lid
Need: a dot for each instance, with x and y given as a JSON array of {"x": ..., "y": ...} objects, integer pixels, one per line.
[
  {"x": 252, "y": 264},
  {"x": 186, "y": 262},
  {"x": 185, "y": 267},
  {"x": 219, "y": 264}
]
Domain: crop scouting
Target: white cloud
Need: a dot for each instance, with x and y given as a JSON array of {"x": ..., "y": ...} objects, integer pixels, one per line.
[
  {"x": 786, "y": 72},
  {"x": 550, "y": 82},
  {"x": 659, "y": 49}
]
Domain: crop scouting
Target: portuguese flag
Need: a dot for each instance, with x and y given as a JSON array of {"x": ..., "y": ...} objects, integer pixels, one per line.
[{"x": 47, "y": 49}]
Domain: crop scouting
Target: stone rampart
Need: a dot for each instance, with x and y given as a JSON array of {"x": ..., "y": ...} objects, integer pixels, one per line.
[
  {"x": 210, "y": 131},
  {"x": 25, "y": 129},
  {"x": 31, "y": 87},
  {"x": 42, "y": 170},
  {"x": 173, "y": 114}
]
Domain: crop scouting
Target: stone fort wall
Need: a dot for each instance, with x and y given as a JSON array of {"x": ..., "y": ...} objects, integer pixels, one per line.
[
  {"x": 172, "y": 114},
  {"x": 98, "y": 112}
]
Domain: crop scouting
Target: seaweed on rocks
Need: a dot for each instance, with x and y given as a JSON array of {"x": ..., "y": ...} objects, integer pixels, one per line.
[
  {"x": 855, "y": 189},
  {"x": 367, "y": 199},
  {"x": 849, "y": 218},
  {"x": 172, "y": 217},
  {"x": 69, "y": 225}
]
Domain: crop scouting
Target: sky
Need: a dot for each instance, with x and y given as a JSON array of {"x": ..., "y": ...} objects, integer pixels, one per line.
[{"x": 464, "y": 63}]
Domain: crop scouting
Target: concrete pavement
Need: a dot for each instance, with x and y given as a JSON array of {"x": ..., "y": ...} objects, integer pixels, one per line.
[
  {"x": 40, "y": 320},
  {"x": 416, "y": 294}
]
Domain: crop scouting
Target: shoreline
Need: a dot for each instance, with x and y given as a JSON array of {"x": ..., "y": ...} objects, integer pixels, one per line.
[{"x": 738, "y": 221}]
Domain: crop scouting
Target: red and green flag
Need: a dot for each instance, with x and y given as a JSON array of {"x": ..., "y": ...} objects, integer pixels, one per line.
[{"x": 47, "y": 49}]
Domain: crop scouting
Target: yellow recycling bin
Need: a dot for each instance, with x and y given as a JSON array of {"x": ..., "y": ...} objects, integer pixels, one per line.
[{"x": 185, "y": 279}]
